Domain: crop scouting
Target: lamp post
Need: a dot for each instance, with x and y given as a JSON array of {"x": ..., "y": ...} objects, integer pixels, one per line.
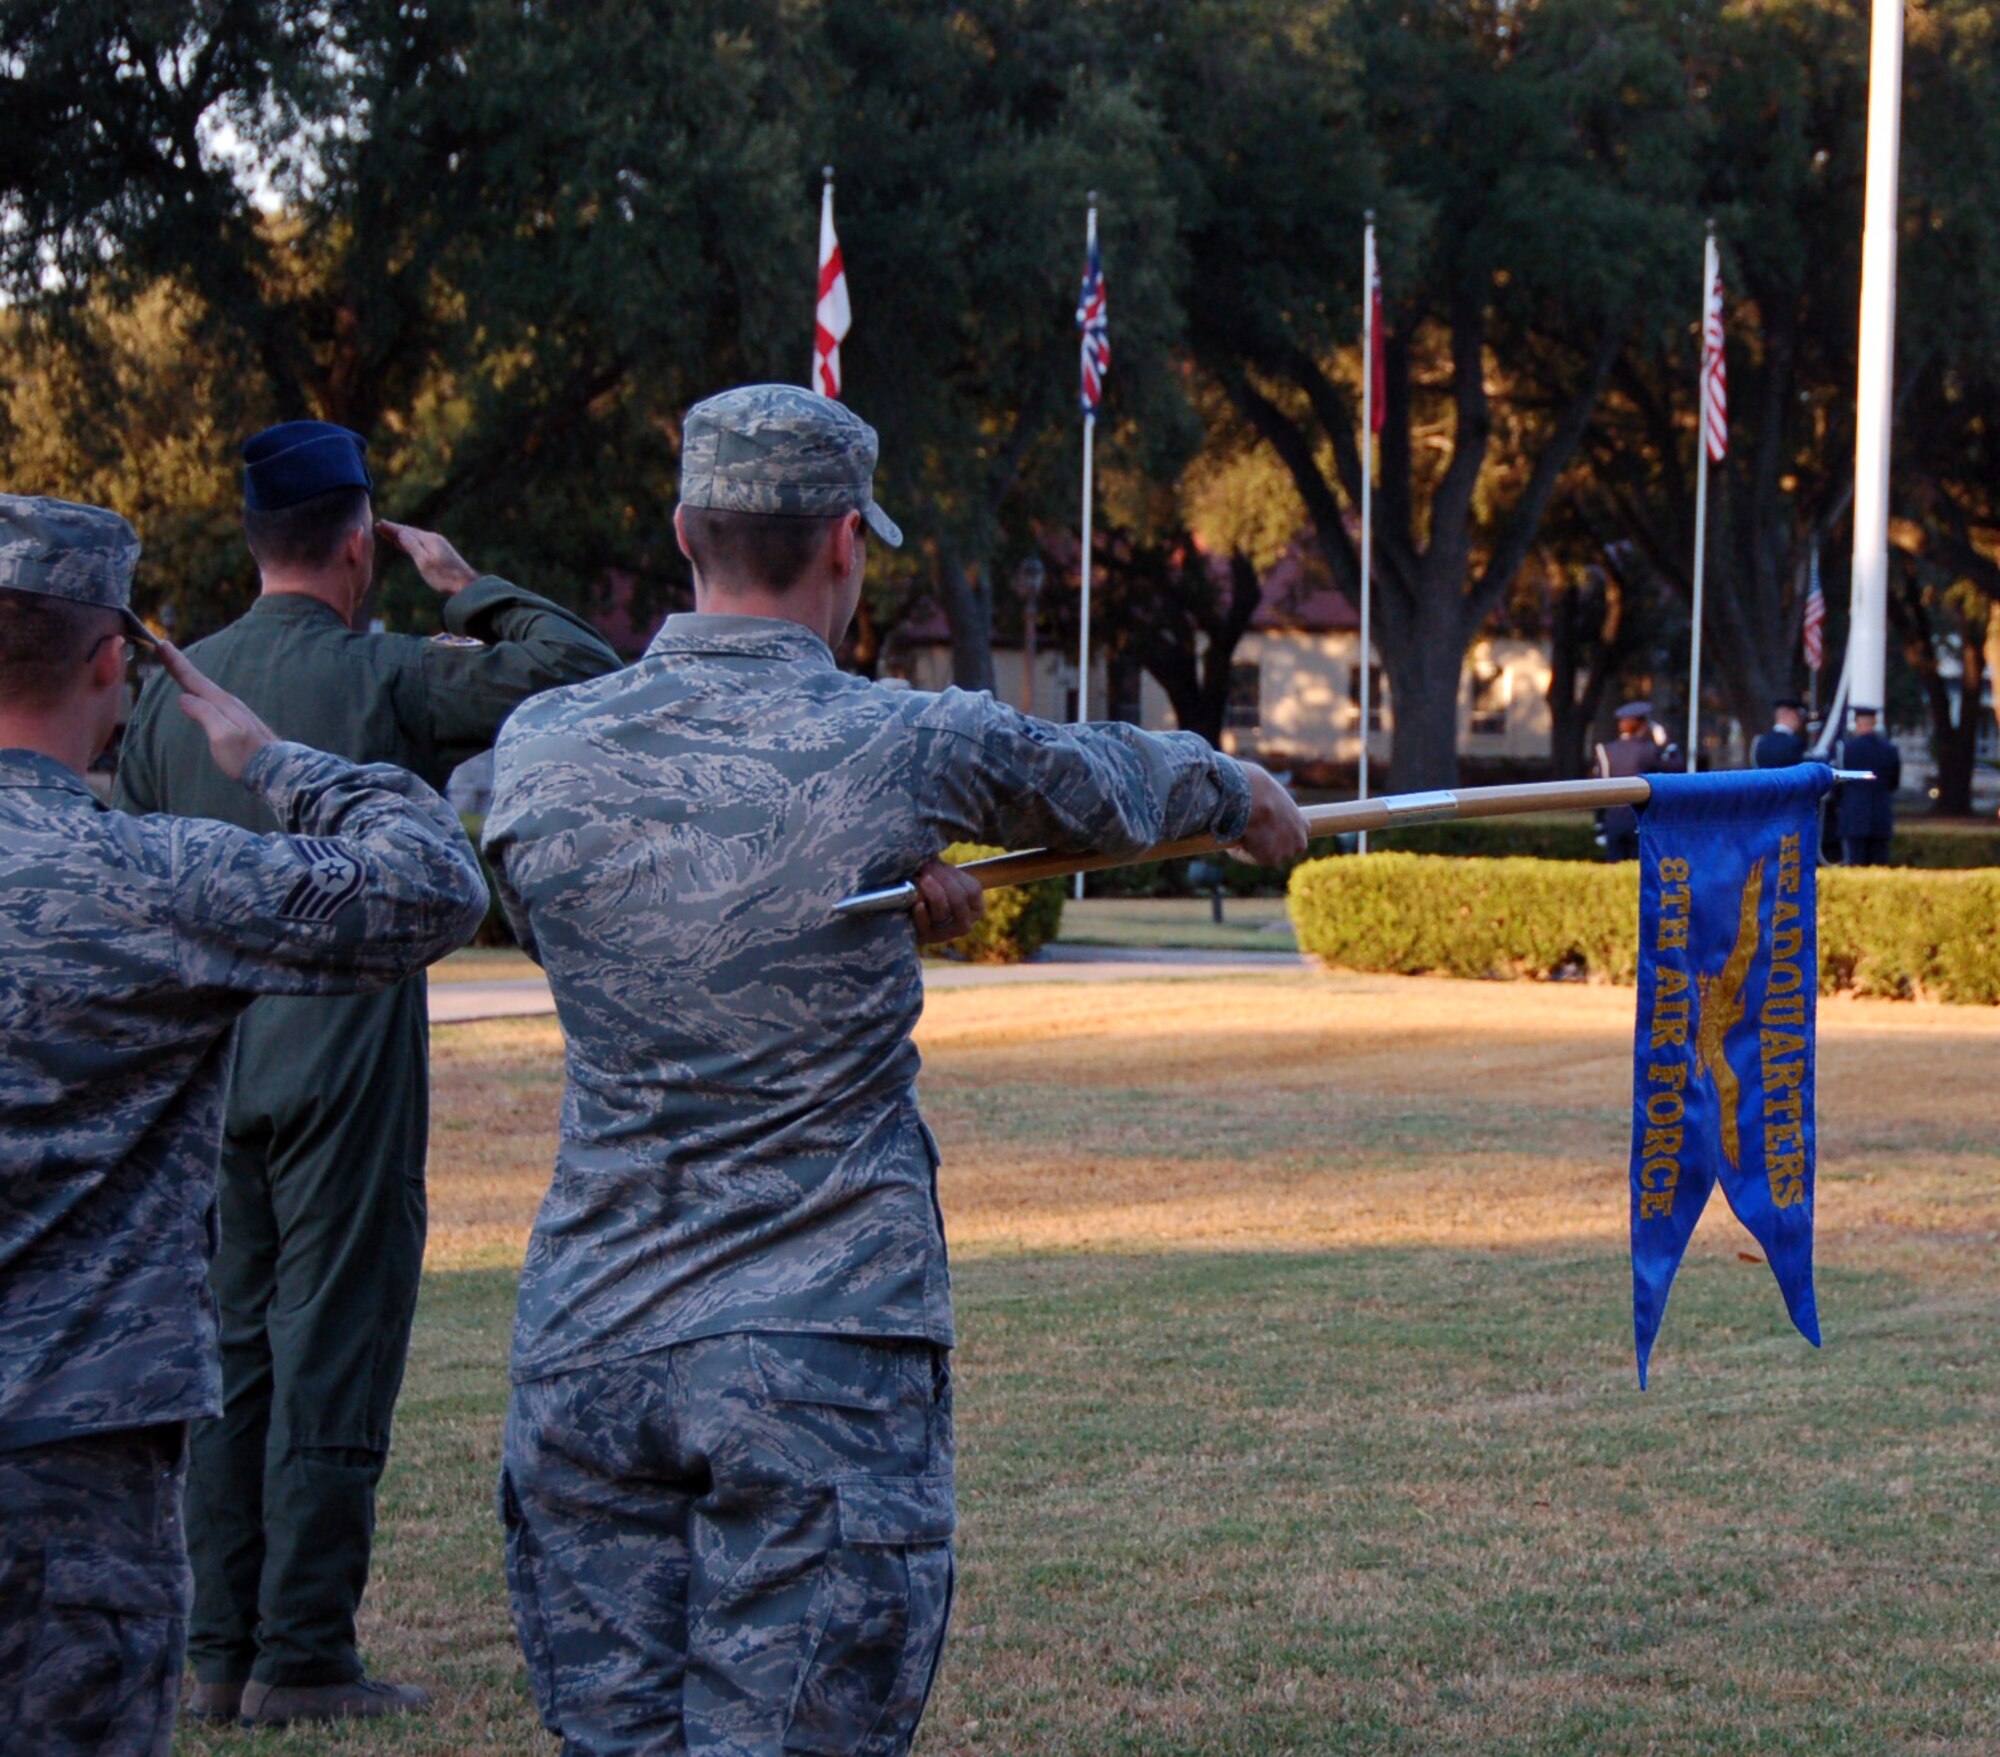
[{"x": 1028, "y": 579}]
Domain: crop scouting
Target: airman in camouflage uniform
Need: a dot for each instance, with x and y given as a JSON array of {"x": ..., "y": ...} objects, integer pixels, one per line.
[
  {"x": 727, "y": 1480},
  {"x": 128, "y": 948},
  {"x": 323, "y": 1205}
]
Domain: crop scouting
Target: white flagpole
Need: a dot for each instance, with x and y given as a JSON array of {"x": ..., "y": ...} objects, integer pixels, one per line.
[
  {"x": 1708, "y": 266},
  {"x": 1868, "y": 625},
  {"x": 1367, "y": 492},
  {"x": 1089, "y": 436}
]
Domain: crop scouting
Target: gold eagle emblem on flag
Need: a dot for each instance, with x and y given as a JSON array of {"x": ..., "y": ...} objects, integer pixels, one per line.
[{"x": 1719, "y": 1010}]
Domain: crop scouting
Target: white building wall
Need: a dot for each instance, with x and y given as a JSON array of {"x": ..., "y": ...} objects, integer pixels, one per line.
[
  {"x": 1306, "y": 707},
  {"x": 929, "y": 667}
]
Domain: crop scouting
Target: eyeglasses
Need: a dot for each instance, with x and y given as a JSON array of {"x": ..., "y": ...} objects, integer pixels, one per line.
[{"x": 117, "y": 634}]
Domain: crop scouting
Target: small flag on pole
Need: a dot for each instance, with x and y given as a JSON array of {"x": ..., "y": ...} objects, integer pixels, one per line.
[
  {"x": 1814, "y": 629},
  {"x": 832, "y": 320},
  {"x": 1091, "y": 319},
  {"x": 1714, "y": 373},
  {"x": 1378, "y": 366}
]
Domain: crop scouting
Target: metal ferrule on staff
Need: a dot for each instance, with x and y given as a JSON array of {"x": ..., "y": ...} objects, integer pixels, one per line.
[{"x": 1388, "y": 812}]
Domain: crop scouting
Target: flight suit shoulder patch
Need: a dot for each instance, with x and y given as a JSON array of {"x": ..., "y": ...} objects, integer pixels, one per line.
[
  {"x": 332, "y": 876},
  {"x": 455, "y": 640}
]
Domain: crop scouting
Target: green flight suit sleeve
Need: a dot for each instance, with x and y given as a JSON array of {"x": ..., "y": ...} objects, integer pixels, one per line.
[
  {"x": 373, "y": 881},
  {"x": 137, "y": 788},
  {"x": 456, "y": 697}
]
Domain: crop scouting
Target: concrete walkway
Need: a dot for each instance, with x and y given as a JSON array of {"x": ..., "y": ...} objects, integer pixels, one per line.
[{"x": 513, "y": 997}]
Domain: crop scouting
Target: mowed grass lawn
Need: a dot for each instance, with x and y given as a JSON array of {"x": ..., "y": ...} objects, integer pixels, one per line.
[{"x": 1296, "y": 1400}]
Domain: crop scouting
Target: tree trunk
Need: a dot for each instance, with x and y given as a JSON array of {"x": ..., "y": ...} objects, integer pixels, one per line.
[
  {"x": 968, "y": 608},
  {"x": 1566, "y": 723},
  {"x": 1952, "y": 745},
  {"x": 1423, "y": 705},
  {"x": 1958, "y": 760}
]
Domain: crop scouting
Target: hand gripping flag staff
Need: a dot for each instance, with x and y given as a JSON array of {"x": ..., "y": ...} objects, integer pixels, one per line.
[
  {"x": 831, "y": 317},
  {"x": 1722, "y": 1085}
]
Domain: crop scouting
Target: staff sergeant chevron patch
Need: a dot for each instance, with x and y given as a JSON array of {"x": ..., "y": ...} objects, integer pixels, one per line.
[{"x": 330, "y": 878}]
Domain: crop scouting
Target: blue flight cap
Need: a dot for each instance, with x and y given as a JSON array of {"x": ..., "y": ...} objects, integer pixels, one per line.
[{"x": 297, "y": 460}]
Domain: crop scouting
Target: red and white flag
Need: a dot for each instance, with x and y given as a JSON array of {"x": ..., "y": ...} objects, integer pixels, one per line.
[
  {"x": 832, "y": 320},
  {"x": 1378, "y": 366},
  {"x": 1714, "y": 374}
]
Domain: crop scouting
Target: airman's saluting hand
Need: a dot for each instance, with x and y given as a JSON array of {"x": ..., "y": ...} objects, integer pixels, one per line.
[
  {"x": 235, "y": 734},
  {"x": 443, "y": 568}
]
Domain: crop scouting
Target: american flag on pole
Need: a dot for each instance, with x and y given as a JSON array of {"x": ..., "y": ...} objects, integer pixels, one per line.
[
  {"x": 832, "y": 320},
  {"x": 1091, "y": 319},
  {"x": 1378, "y": 365},
  {"x": 1814, "y": 628},
  {"x": 1714, "y": 374}
]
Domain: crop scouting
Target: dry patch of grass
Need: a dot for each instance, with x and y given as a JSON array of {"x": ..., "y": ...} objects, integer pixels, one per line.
[{"x": 1295, "y": 1389}]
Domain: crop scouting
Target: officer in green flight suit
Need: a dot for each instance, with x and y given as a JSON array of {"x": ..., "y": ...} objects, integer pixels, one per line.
[{"x": 322, "y": 1183}]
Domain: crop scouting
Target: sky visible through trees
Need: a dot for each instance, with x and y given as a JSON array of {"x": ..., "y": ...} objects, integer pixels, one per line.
[{"x": 510, "y": 242}]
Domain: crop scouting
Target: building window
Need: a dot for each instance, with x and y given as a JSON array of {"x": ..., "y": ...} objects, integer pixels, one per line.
[
  {"x": 1375, "y": 694},
  {"x": 1492, "y": 690},
  {"x": 1246, "y": 698}
]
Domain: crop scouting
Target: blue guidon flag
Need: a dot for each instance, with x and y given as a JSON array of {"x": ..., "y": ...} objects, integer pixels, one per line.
[
  {"x": 1722, "y": 1067},
  {"x": 1093, "y": 320}
]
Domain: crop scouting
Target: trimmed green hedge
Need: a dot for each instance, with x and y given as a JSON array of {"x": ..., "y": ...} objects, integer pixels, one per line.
[
  {"x": 1941, "y": 847},
  {"x": 1569, "y": 837},
  {"x": 1918, "y": 844},
  {"x": 1906, "y": 935},
  {"x": 1019, "y": 920}
]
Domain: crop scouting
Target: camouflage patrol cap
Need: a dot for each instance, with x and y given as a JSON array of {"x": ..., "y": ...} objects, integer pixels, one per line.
[
  {"x": 782, "y": 450},
  {"x": 59, "y": 549}
]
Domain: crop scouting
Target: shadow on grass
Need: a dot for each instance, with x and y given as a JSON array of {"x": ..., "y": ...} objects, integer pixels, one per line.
[{"x": 1365, "y": 1501}]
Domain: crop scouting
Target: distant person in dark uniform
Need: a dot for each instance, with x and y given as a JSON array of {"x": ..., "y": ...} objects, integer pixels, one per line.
[
  {"x": 1635, "y": 751},
  {"x": 1785, "y": 743},
  {"x": 1866, "y": 818}
]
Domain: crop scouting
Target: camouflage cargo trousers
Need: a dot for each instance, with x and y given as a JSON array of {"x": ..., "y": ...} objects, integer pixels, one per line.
[
  {"x": 94, "y": 1592},
  {"x": 734, "y": 1547}
]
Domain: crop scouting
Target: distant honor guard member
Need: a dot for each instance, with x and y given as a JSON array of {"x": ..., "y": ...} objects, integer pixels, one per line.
[
  {"x": 1865, "y": 811},
  {"x": 1785, "y": 744},
  {"x": 323, "y": 1162},
  {"x": 727, "y": 1477},
  {"x": 1635, "y": 751},
  {"x": 128, "y": 949}
]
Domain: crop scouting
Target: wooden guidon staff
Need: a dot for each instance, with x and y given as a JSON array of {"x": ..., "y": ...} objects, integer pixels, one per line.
[{"x": 1385, "y": 812}]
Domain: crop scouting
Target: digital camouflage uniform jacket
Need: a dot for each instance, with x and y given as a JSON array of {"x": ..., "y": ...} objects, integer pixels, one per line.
[
  {"x": 741, "y": 1148},
  {"x": 127, "y": 948}
]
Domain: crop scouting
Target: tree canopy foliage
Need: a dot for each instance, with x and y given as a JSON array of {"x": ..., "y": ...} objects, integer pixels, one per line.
[{"x": 510, "y": 242}]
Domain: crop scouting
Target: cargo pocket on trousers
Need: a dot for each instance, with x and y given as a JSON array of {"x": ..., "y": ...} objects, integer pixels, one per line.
[
  {"x": 876, "y": 1628},
  {"x": 105, "y": 1665},
  {"x": 524, "y": 1589}
]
